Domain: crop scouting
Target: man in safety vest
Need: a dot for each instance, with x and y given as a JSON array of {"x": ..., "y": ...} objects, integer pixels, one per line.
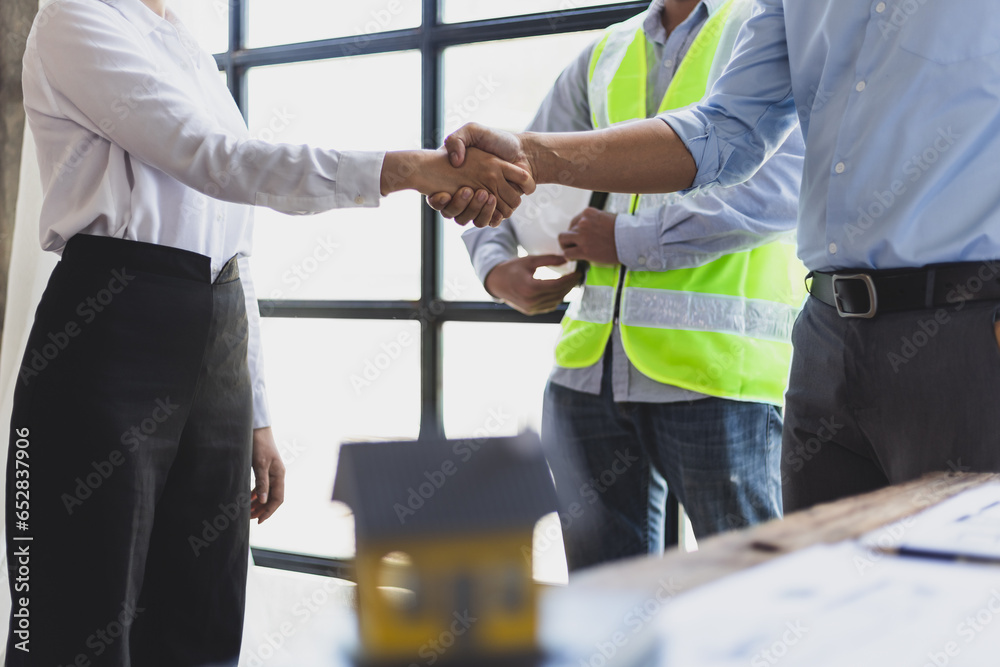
[{"x": 671, "y": 368}]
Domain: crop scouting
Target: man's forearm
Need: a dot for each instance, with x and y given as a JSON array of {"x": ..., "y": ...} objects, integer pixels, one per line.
[{"x": 645, "y": 156}]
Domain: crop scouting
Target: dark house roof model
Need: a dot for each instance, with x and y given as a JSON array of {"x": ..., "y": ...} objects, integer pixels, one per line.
[{"x": 444, "y": 487}]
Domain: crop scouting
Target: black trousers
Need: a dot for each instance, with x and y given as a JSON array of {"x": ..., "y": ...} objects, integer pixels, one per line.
[
  {"x": 882, "y": 401},
  {"x": 128, "y": 471}
]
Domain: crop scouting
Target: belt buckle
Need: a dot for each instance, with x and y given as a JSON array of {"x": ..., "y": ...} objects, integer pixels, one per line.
[{"x": 872, "y": 296}]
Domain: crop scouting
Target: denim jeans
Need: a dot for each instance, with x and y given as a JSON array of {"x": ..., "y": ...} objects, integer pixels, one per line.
[{"x": 613, "y": 463}]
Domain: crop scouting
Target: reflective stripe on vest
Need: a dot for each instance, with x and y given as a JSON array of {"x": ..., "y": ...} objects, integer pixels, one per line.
[
  {"x": 720, "y": 329},
  {"x": 689, "y": 311}
]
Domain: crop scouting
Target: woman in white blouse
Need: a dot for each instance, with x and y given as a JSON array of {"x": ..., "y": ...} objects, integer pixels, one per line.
[{"x": 140, "y": 408}]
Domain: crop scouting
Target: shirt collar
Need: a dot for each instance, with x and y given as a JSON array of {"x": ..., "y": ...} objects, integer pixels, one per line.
[
  {"x": 652, "y": 25},
  {"x": 138, "y": 14}
]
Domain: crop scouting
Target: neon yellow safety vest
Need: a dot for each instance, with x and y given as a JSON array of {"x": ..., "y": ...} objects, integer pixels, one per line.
[{"x": 722, "y": 329}]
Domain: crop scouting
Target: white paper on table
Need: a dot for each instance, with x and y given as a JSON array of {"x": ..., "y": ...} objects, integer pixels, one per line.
[
  {"x": 545, "y": 214},
  {"x": 967, "y": 525},
  {"x": 583, "y": 626},
  {"x": 829, "y": 606}
]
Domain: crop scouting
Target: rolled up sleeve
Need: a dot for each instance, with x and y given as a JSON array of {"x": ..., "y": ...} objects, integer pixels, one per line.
[
  {"x": 697, "y": 229},
  {"x": 750, "y": 111}
]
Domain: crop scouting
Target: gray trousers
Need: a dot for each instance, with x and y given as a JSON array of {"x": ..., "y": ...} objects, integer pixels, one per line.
[{"x": 881, "y": 401}]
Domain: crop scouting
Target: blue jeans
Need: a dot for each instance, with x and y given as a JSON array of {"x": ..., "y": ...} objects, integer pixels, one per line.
[{"x": 613, "y": 462}]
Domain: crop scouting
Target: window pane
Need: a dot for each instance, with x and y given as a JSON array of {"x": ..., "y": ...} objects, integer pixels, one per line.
[
  {"x": 456, "y": 11},
  {"x": 330, "y": 381},
  {"x": 291, "y": 21},
  {"x": 340, "y": 254},
  {"x": 208, "y": 21},
  {"x": 494, "y": 376},
  {"x": 460, "y": 280},
  {"x": 499, "y": 84}
]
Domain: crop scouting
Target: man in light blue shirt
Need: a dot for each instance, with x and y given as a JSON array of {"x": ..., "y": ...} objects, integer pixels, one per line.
[{"x": 896, "y": 359}]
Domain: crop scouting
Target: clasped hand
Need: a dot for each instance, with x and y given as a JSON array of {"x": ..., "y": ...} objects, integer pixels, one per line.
[
  {"x": 485, "y": 188},
  {"x": 467, "y": 144}
]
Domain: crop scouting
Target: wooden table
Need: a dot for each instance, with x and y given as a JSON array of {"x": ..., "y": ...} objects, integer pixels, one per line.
[
  {"x": 732, "y": 552},
  {"x": 603, "y": 592}
]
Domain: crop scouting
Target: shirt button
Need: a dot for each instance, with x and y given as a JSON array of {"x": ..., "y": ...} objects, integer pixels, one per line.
[
  {"x": 668, "y": 64},
  {"x": 861, "y": 86},
  {"x": 359, "y": 200},
  {"x": 833, "y": 248},
  {"x": 840, "y": 168},
  {"x": 642, "y": 261},
  {"x": 880, "y": 7}
]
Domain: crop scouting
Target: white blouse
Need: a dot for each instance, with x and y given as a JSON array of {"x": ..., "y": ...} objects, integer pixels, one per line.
[{"x": 138, "y": 138}]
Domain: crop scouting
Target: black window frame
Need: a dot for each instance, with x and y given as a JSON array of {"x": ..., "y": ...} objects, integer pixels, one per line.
[{"x": 431, "y": 38}]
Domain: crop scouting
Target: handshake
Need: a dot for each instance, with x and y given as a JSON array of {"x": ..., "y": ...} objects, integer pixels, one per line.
[
  {"x": 481, "y": 174},
  {"x": 478, "y": 176}
]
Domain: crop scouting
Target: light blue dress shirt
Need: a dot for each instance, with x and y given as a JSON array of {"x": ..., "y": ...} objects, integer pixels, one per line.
[
  {"x": 692, "y": 231},
  {"x": 899, "y": 102}
]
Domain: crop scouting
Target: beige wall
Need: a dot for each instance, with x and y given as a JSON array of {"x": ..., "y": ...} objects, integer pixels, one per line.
[{"x": 15, "y": 20}]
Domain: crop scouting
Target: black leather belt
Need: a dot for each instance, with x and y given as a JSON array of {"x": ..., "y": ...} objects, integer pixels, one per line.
[{"x": 866, "y": 293}]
